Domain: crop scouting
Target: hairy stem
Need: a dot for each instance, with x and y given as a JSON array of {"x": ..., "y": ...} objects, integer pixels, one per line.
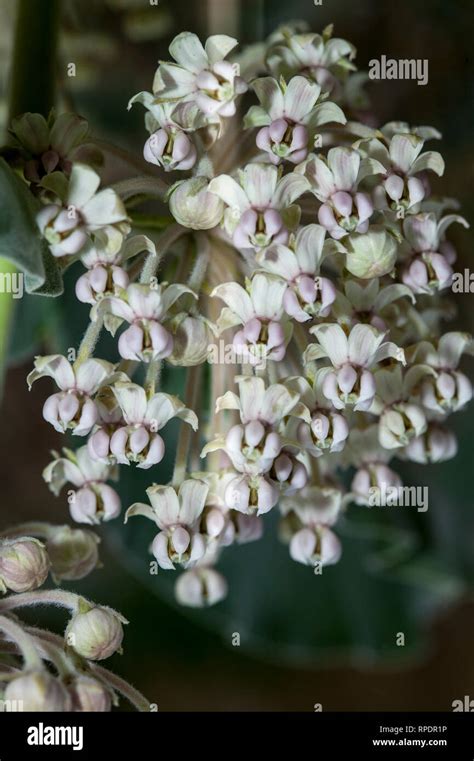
[
  {"x": 182, "y": 450},
  {"x": 89, "y": 341},
  {"x": 24, "y": 641},
  {"x": 59, "y": 597}
]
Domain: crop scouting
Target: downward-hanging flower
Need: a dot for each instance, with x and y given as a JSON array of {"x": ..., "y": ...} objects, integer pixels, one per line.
[
  {"x": 314, "y": 510},
  {"x": 260, "y": 210},
  {"x": 308, "y": 295},
  {"x": 400, "y": 417},
  {"x": 67, "y": 225},
  {"x": 320, "y": 56},
  {"x": 145, "y": 307},
  {"x": 200, "y": 75},
  {"x": 368, "y": 302},
  {"x": 334, "y": 180},
  {"x": 400, "y": 153},
  {"x": 429, "y": 267},
  {"x": 351, "y": 382},
  {"x": 259, "y": 309},
  {"x": 170, "y": 144},
  {"x": 72, "y": 408},
  {"x": 176, "y": 512},
  {"x": 365, "y": 452},
  {"x": 254, "y": 445},
  {"x": 138, "y": 439},
  {"x": 325, "y": 429},
  {"x": 93, "y": 500},
  {"x": 448, "y": 390},
  {"x": 289, "y": 116}
]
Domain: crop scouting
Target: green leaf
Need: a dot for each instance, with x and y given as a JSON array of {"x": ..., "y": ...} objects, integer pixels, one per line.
[{"x": 20, "y": 240}]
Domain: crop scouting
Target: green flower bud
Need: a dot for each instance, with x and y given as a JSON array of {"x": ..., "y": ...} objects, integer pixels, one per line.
[
  {"x": 192, "y": 206},
  {"x": 371, "y": 254},
  {"x": 73, "y": 553}
]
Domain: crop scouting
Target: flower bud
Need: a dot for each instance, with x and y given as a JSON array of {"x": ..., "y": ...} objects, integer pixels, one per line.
[
  {"x": 73, "y": 553},
  {"x": 192, "y": 341},
  {"x": 193, "y": 207},
  {"x": 24, "y": 564},
  {"x": 38, "y": 691},
  {"x": 89, "y": 695},
  {"x": 95, "y": 632},
  {"x": 200, "y": 587},
  {"x": 371, "y": 254}
]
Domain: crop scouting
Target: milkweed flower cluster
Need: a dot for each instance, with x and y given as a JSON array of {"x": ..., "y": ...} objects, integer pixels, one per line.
[{"x": 304, "y": 239}]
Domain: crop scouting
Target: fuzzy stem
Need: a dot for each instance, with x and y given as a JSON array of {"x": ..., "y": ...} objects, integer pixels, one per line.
[
  {"x": 201, "y": 264},
  {"x": 59, "y": 597},
  {"x": 152, "y": 261},
  {"x": 182, "y": 450},
  {"x": 149, "y": 186},
  {"x": 89, "y": 340},
  {"x": 24, "y": 641}
]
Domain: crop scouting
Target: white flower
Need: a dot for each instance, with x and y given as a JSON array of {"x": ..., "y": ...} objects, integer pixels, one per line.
[
  {"x": 350, "y": 383},
  {"x": 319, "y": 56},
  {"x": 259, "y": 309},
  {"x": 177, "y": 514},
  {"x": 200, "y": 74},
  {"x": 401, "y": 419},
  {"x": 448, "y": 390},
  {"x": 73, "y": 407},
  {"x": 365, "y": 452},
  {"x": 66, "y": 227},
  {"x": 289, "y": 115},
  {"x": 260, "y": 210},
  {"x": 138, "y": 440},
  {"x": 429, "y": 268},
  {"x": 200, "y": 587},
  {"x": 145, "y": 307},
  {"x": 400, "y": 154},
  {"x": 368, "y": 302},
  {"x": 436, "y": 445},
  {"x": 316, "y": 509},
  {"x": 308, "y": 294},
  {"x": 326, "y": 430},
  {"x": 334, "y": 181},
  {"x": 93, "y": 501}
]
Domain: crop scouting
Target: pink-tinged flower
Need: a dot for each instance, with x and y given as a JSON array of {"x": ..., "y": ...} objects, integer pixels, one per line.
[
  {"x": 95, "y": 632},
  {"x": 221, "y": 525},
  {"x": 73, "y": 408},
  {"x": 368, "y": 302},
  {"x": 93, "y": 500},
  {"x": 200, "y": 587},
  {"x": 146, "y": 308},
  {"x": 138, "y": 440},
  {"x": 260, "y": 205},
  {"x": 38, "y": 691},
  {"x": 177, "y": 514},
  {"x": 83, "y": 210},
  {"x": 252, "y": 495},
  {"x": 334, "y": 180},
  {"x": 24, "y": 564},
  {"x": 309, "y": 516},
  {"x": 289, "y": 470},
  {"x": 289, "y": 115},
  {"x": 259, "y": 310},
  {"x": 404, "y": 165},
  {"x": 170, "y": 145},
  {"x": 350, "y": 381},
  {"x": 447, "y": 390},
  {"x": 324, "y": 430},
  {"x": 200, "y": 75},
  {"x": 308, "y": 294},
  {"x": 437, "y": 444},
  {"x": 429, "y": 267},
  {"x": 401, "y": 417},
  {"x": 365, "y": 452},
  {"x": 318, "y": 56},
  {"x": 89, "y": 695}
]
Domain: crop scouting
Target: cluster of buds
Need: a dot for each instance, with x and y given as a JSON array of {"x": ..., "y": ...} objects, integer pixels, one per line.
[
  {"x": 316, "y": 260},
  {"x": 40, "y": 670}
]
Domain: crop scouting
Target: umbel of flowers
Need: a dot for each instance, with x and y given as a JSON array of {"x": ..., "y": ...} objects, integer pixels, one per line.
[{"x": 305, "y": 242}]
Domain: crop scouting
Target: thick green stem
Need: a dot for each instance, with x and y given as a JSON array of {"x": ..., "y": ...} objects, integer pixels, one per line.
[
  {"x": 184, "y": 441},
  {"x": 153, "y": 260},
  {"x": 90, "y": 338},
  {"x": 152, "y": 377},
  {"x": 33, "y": 81}
]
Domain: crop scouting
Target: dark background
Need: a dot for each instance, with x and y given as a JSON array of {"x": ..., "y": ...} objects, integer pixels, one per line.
[{"x": 187, "y": 663}]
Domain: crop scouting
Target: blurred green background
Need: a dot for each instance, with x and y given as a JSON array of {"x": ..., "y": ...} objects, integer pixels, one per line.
[{"x": 304, "y": 639}]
